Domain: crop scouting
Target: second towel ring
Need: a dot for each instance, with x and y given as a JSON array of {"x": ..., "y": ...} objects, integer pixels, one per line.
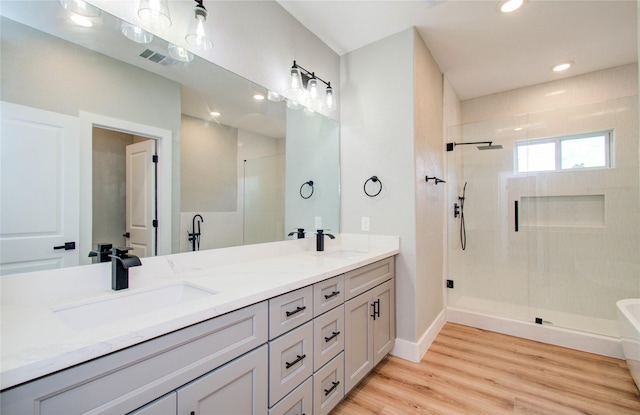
[
  {"x": 373, "y": 179},
  {"x": 310, "y": 184}
]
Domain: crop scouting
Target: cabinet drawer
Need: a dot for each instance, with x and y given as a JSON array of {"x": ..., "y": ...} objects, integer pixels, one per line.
[
  {"x": 161, "y": 406},
  {"x": 298, "y": 402},
  {"x": 328, "y": 336},
  {"x": 328, "y": 294},
  {"x": 125, "y": 380},
  {"x": 290, "y": 361},
  {"x": 328, "y": 386},
  {"x": 362, "y": 279},
  {"x": 290, "y": 310}
]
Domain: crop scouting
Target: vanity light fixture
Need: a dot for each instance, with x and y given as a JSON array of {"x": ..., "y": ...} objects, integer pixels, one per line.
[
  {"x": 136, "y": 34},
  {"x": 197, "y": 35},
  {"x": 509, "y": 6},
  {"x": 155, "y": 13},
  {"x": 274, "y": 96},
  {"x": 303, "y": 81},
  {"x": 179, "y": 54},
  {"x": 80, "y": 7},
  {"x": 562, "y": 67}
]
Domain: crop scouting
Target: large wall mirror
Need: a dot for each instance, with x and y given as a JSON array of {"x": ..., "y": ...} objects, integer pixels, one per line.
[{"x": 232, "y": 167}]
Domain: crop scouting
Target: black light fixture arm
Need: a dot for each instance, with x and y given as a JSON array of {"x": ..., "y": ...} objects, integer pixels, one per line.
[{"x": 310, "y": 74}]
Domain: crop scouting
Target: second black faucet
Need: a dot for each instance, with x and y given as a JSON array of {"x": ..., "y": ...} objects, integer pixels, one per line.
[{"x": 320, "y": 239}]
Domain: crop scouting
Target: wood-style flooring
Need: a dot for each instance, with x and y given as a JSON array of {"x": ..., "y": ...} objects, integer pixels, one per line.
[{"x": 474, "y": 371}]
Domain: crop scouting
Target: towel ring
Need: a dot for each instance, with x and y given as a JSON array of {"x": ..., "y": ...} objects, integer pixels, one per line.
[
  {"x": 373, "y": 179},
  {"x": 310, "y": 184}
]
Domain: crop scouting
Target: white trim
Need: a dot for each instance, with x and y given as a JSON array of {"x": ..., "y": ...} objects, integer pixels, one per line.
[
  {"x": 164, "y": 138},
  {"x": 414, "y": 352},
  {"x": 586, "y": 342}
]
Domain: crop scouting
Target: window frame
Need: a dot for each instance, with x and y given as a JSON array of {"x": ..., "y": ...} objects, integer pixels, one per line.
[{"x": 557, "y": 140}]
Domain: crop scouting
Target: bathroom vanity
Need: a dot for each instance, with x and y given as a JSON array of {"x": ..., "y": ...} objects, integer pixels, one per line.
[{"x": 267, "y": 329}]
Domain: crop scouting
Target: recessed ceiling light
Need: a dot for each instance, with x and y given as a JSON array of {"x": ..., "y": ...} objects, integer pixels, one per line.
[
  {"x": 562, "y": 67},
  {"x": 510, "y": 5},
  {"x": 214, "y": 113},
  {"x": 258, "y": 97}
]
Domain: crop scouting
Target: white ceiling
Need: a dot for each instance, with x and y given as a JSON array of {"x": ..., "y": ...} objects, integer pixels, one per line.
[{"x": 480, "y": 50}]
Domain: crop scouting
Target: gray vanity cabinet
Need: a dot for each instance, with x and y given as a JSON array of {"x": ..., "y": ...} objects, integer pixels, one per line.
[
  {"x": 369, "y": 320},
  {"x": 237, "y": 388},
  {"x": 165, "y": 405}
]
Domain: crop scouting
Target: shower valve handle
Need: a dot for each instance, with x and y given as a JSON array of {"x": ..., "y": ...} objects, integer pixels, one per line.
[{"x": 456, "y": 210}]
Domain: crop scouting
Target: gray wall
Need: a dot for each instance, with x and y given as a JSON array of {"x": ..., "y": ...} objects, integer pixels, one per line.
[{"x": 208, "y": 173}]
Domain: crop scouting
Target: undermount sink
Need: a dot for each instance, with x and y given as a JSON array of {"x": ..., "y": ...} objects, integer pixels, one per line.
[
  {"x": 118, "y": 306},
  {"x": 344, "y": 254}
]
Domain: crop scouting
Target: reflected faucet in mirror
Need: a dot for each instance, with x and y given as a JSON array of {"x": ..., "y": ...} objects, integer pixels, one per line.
[
  {"x": 102, "y": 252},
  {"x": 299, "y": 233},
  {"x": 194, "y": 237}
]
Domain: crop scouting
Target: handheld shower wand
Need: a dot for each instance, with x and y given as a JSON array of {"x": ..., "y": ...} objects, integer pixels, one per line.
[{"x": 458, "y": 210}]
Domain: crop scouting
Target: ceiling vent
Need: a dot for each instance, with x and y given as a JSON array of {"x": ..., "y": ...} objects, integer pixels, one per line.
[{"x": 156, "y": 57}]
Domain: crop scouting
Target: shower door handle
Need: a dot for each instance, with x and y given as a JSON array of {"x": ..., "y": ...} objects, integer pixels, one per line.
[{"x": 516, "y": 216}]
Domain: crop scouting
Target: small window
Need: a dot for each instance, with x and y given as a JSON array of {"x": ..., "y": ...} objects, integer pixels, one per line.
[{"x": 564, "y": 153}]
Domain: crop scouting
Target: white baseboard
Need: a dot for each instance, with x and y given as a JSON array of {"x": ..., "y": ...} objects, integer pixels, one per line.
[
  {"x": 414, "y": 351},
  {"x": 587, "y": 342}
]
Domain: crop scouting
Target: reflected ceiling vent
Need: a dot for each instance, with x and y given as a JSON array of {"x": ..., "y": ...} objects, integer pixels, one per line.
[{"x": 156, "y": 57}]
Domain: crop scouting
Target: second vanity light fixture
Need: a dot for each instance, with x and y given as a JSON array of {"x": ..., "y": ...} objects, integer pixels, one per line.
[{"x": 304, "y": 81}]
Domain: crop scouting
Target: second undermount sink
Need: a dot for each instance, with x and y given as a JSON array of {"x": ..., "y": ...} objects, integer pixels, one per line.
[
  {"x": 119, "y": 306},
  {"x": 344, "y": 254}
]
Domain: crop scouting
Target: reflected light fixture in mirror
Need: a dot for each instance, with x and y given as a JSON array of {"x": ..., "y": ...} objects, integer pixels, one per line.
[
  {"x": 136, "y": 34},
  {"x": 80, "y": 7},
  {"x": 155, "y": 13},
  {"x": 197, "y": 34},
  {"x": 179, "y": 54}
]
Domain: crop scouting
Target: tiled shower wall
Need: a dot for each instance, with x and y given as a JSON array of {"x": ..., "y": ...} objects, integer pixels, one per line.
[{"x": 576, "y": 269}]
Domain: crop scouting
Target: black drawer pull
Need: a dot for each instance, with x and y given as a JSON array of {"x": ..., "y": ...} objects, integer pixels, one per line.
[
  {"x": 297, "y": 310},
  {"x": 299, "y": 359},
  {"x": 333, "y": 336},
  {"x": 333, "y": 294},
  {"x": 332, "y": 388}
]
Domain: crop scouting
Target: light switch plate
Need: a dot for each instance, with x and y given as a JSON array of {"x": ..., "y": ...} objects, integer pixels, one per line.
[{"x": 364, "y": 224}]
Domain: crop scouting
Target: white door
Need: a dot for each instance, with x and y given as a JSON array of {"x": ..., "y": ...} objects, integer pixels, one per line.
[
  {"x": 39, "y": 190},
  {"x": 140, "y": 195}
]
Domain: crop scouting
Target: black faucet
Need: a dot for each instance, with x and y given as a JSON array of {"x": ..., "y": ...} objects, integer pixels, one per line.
[
  {"x": 120, "y": 264},
  {"x": 299, "y": 233},
  {"x": 102, "y": 252},
  {"x": 320, "y": 239},
  {"x": 194, "y": 237}
]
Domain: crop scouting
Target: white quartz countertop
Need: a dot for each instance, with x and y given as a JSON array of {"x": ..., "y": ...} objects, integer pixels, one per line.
[{"x": 35, "y": 341}]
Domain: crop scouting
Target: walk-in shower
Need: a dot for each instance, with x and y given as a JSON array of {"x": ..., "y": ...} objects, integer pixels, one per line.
[{"x": 575, "y": 252}]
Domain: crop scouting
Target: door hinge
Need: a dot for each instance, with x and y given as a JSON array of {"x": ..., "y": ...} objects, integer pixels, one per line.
[
  {"x": 155, "y": 223},
  {"x": 154, "y": 158},
  {"x": 449, "y": 283}
]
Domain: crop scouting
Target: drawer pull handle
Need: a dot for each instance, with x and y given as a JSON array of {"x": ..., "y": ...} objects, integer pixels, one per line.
[
  {"x": 332, "y": 388},
  {"x": 299, "y": 359},
  {"x": 297, "y": 310},
  {"x": 333, "y": 336},
  {"x": 333, "y": 294}
]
